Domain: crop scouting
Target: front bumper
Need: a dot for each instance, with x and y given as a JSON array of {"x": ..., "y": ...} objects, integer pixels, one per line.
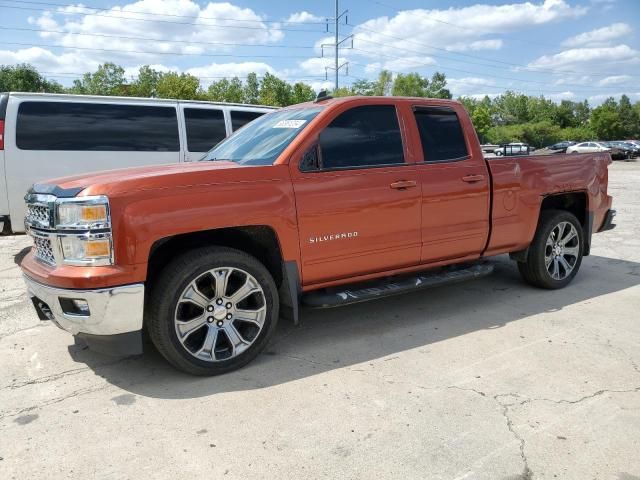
[{"x": 108, "y": 313}]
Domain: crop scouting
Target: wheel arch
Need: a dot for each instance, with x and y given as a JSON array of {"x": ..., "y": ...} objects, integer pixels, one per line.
[
  {"x": 260, "y": 241},
  {"x": 576, "y": 202}
]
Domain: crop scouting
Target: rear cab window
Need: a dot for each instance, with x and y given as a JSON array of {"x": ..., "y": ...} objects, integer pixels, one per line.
[
  {"x": 79, "y": 126},
  {"x": 441, "y": 134},
  {"x": 239, "y": 118},
  {"x": 205, "y": 128}
]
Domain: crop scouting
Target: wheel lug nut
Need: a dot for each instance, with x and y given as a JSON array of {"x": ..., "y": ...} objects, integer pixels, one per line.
[
  {"x": 229, "y": 305},
  {"x": 220, "y": 323},
  {"x": 219, "y": 301},
  {"x": 210, "y": 308},
  {"x": 229, "y": 316},
  {"x": 210, "y": 319}
]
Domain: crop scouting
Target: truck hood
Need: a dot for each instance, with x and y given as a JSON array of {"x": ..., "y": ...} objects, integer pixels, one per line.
[{"x": 111, "y": 182}]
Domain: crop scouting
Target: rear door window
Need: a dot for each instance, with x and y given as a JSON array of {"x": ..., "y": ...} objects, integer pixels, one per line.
[
  {"x": 96, "y": 127},
  {"x": 205, "y": 128},
  {"x": 441, "y": 134},
  {"x": 366, "y": 136},
  {"x": 239, "y": 118}
]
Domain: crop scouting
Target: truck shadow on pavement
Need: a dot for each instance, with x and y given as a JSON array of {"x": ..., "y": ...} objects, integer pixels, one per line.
[{"x": 351, "y": 336}]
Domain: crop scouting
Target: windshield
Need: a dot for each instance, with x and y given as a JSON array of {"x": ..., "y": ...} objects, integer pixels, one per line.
[{"x": 261, "y": 141}]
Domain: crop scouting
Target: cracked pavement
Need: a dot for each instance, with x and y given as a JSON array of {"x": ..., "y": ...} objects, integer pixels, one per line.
[{"x": 489, "y": 379}]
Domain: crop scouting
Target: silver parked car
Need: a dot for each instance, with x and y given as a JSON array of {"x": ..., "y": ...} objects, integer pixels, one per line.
[{"x": 588, "y": 147}]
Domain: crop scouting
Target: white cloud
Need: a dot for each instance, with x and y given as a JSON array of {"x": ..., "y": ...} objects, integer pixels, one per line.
[
  {"x": 598, "y": 99},
  {"x": 614, "y": 80},
  {"x": 316, "y": 66},
  {"x": 557, "y": 97},
  {"x": 212, "y": 72},
  {"x": 462, "y": 28},
  {"x": 211, "y": 25},
  {"x": 491, "y": 44},
  {"x": 403, "y": 64},
  {"x": 599, "y": 36},
  {"x": 303, "y": 17},
  {"x": 49, "y": 62},
  {"x": 587, "y": 58},
  {"x": 470, "y": 86}
]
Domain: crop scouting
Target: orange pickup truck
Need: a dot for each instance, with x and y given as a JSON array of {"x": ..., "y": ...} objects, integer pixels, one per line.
[{"x": 323, "y": 204}]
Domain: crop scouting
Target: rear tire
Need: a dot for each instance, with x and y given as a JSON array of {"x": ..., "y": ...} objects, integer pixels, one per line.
[
  {"x": 555, "y": 254},
  {"x": 212, "y": 310}
]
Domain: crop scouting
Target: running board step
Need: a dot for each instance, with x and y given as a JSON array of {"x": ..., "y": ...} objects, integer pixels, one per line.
[{"x": 362, "y": 292}]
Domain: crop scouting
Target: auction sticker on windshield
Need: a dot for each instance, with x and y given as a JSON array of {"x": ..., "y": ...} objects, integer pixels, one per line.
[{"x": 289, "y": 124}]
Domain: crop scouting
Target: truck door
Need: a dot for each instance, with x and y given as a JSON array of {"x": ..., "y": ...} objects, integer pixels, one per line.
[
  {"x": 357, "y": 196},
  {"x": 455, "y": 185}
]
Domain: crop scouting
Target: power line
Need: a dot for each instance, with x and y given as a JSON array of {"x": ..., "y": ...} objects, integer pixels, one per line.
[
  {"x": 157, "y": 14},
  {"x": 474, "y": 56},
  {"x": 155, "y": 39},
  {"x": 416, "y": 64},
  {"x": 171, "y": 22},
  {"x": 155, "y": 53}
]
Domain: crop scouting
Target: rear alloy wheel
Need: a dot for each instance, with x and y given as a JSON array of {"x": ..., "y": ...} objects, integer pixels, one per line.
[
  {"x": 212, "y": 310},
  {"x": 555, "y": 254}
]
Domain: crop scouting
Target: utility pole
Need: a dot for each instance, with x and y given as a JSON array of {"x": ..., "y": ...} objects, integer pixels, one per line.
[{"x": 337, "y": 43}]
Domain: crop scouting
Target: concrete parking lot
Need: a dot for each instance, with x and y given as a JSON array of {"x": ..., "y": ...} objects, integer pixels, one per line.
[{"x": 485, "y": 380}]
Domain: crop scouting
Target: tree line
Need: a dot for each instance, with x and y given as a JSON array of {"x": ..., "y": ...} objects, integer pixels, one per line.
[{"x": 508, "y": 117}]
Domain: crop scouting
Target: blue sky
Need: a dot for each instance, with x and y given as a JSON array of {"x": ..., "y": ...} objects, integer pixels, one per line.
[{"x": 573, "y": 49}]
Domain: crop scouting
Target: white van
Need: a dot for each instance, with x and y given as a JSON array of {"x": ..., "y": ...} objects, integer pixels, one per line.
[{"x": 52, "y": 135}]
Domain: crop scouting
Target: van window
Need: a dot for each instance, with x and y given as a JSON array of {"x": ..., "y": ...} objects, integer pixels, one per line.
[
  {"x": 205, "y": 128},
  {"x": 96, "y": 127},
  {"x": 239, "y": 118},
  {"x": 441, "y": 134},
  {"x": 364, "y": 136}
]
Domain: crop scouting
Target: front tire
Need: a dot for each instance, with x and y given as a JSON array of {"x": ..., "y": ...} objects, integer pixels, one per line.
[
  {"x": 555, "y": 254},
  {"x": 212, "y": 310}
]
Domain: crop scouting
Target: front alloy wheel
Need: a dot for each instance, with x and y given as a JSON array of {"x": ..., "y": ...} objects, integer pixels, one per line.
[
  {"x": 212, "y": 310},
  {"x": 220, "y": 314}
]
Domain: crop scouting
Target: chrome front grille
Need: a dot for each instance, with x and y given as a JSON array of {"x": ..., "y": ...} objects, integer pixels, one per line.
[
  {"x": 38, "y": 214},
  {"x": 44, "y": 250}
]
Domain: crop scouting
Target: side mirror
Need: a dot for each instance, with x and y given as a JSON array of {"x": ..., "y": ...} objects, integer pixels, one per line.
[{"x": 310, "y": 160}]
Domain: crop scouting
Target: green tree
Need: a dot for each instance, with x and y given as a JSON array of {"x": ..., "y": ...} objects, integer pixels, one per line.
[
  {"x": 251, "y": 90},
  {"x": 274, "y": 91},
  {"x": 180, "y": 86},
  {"x": 481, "y": 118},
  {"x": 383, "y": 84},
  {"x": 302, "y": 93},
  {"x": 606, "y": 122},
  {"x": 629, "y": 118},
  {"x": 146, "y": 85},
  {"x": 414, "y": 85},
  {"x": 226, "y": 91},
  {"x": 108, "y": 79},
  {"x": 25, "y": 78},
  {"x": 409, "y": 85}
]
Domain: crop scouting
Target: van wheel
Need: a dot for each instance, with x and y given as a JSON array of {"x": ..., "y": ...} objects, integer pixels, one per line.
[
  {"x": 555, "y": 254},
  {"x": 212, "y": 310}
]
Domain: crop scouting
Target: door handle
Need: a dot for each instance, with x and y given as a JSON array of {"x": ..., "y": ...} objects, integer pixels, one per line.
[
  {"x": 403, "y": 184},
  {"x": 472, "y": 178}
]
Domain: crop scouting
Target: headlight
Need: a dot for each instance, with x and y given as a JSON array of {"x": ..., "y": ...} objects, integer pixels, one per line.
[
  {"x": 84, "y": 226},
  {"x": 83, "y": 213},
  {"x": 87, "y": 249}
]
